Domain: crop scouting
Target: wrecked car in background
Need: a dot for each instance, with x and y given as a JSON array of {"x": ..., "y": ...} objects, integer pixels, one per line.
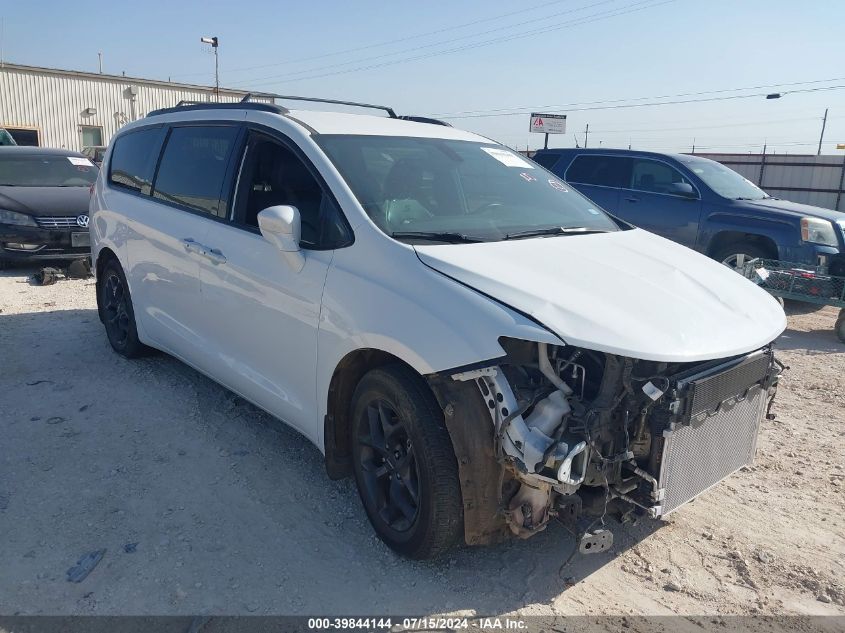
[
  {"x": 480, "y": 346},
  {"x": 44, "y": 196}
]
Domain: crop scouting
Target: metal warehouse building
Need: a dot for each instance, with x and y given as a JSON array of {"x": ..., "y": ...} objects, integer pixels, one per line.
[{"x": 71, "y": 109}]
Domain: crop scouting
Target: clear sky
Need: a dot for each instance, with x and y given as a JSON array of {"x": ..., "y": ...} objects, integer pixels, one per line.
[{"x": 443, "y": 58}]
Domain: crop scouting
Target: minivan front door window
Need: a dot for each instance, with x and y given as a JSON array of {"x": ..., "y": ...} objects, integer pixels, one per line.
[
  {"x": 414, "y": 186},
  {"x": 273, "y": 175}
]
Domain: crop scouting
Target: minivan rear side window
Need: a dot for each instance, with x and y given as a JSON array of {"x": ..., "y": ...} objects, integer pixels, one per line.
[
  {"x": 193, "y": 167},
  {"x": 133, "y": 159},
  {"x": 606, "y": 171}
]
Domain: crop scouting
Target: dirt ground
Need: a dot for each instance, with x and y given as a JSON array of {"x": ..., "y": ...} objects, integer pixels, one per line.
[{"x": 206, "y": 505}]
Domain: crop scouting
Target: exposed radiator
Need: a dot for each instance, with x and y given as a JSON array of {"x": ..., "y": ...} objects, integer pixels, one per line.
[
  {"x": 699, "y": 455},
  {"x": 712, "y": 426}
]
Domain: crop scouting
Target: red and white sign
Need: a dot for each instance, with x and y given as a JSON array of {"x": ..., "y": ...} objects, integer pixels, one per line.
[{"x": 548, "y": 123}]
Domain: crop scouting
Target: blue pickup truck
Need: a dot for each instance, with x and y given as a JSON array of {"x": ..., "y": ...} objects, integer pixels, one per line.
[{"x": 703, "y": 205}]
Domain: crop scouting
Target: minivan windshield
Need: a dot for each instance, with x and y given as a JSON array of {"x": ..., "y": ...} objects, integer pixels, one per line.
[
  {"x": 458, "y": 191},
  {"x": 725, "y": 181},
  {"x": 46, "y": 170}
]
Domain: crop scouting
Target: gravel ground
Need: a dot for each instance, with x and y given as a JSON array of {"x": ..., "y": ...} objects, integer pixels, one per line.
[{"x": 204, "y": 504}]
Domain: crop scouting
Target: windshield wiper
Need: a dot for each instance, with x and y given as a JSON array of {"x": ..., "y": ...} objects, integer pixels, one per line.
[
  {"x": 436, "y": 236},
  {"x": 553, "y": 230}
]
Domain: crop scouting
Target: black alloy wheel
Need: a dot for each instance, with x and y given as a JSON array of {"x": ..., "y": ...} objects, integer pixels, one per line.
[
  {"x": 404, "y": 463},
  {"x": 116, "y": 311},
  {"x": 389, "y": 466}
]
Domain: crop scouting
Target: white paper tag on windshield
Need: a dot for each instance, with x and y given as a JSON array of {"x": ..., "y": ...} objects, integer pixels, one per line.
[
  {"x": 507, "y": 157},
  {"x": 76, "y": 160},
  {"x": 651, "y": 391}
]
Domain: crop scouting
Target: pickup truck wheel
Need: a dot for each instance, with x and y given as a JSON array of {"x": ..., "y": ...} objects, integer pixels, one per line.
[
  {"x": 404, "y": 464},
  {"x": 736, "y": 256},
  {"x": 117, "y": 314}
]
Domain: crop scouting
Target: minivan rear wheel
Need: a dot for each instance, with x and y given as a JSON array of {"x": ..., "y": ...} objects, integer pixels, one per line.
[
  {"x": 404, "y": 463},
  {"x": 115, "y": 305}
]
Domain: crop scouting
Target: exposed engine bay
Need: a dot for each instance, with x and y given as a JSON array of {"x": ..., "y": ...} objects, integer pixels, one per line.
[{"x": 576, "y": 430}]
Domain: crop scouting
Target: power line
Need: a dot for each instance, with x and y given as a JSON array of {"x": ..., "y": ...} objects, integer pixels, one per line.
[
  {"x": 707, "y": 127},
  {"x": 578, "y": 22},
  {"x": 524, "y": 109},
  {"x": 644, "y": 105},
  {"x": 406, "y": 38},
  {"x": 431, "y": 45}
]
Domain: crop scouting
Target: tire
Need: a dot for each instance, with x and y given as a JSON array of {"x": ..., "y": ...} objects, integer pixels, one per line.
[
  {"x": 839, "y": 328},
  {"x": 115, "y": 306},
  {"x": 404, "y": 464},
  {"x": 736, "y": 255}
]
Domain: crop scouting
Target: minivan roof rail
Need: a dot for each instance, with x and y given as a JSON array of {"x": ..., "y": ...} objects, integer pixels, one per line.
[
  {"x": 355, "y": 104},
  {"x": 423, "y": 119},
  {"x": 205, "y": 105},
  {"x": 246, "y": 102}
]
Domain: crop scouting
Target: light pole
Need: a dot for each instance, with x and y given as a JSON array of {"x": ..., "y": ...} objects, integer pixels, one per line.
[
  {"x": 778, "y": 95},
  {"x": 821, "y": 138},
  {"x": 214, "y": 43}
]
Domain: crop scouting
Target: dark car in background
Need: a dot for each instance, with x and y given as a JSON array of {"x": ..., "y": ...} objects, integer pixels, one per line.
[
  {"x": 95, "y": 153},
  {"x": 44, "y": 196},
  {"x": 6, "y": 138},
  {"x": 702, "y": 204}
]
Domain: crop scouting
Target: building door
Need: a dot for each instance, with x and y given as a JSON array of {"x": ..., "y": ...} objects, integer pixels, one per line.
[{"x": 92, "y": 135}]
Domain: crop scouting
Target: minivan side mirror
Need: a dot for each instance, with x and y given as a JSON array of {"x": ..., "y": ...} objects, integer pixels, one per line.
[
  {"x": 683, "y": 189},
  {"x": 282, "y": 227}
]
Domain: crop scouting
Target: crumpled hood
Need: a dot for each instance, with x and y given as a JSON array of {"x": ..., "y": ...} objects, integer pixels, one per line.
[{"x": 630, "y": 293}]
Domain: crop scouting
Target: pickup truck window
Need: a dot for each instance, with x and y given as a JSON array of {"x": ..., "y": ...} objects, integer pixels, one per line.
[
  {"x": 546, "y": 160},
  {"x": 725, "y": 181},
  {"x": 606, "y": 171},
  {"x": 654, "y": 176}
]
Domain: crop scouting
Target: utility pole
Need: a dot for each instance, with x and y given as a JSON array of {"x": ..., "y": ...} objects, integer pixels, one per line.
[
  {"x": 821, "y": 138},
  {"x": 546, "y": 141},
  {"x": 586, "y": 134},
  {"x": 693, "y": 146},
  {"x": 214, "y": 43}
]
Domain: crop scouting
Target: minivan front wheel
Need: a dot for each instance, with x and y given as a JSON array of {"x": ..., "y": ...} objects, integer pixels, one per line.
[
  {"x": 404, "y": 464},
  {"x": 115, "y": 304}
]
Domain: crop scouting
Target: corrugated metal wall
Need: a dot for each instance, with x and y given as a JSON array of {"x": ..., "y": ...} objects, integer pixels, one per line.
[
  {"x": 816, "y": 180},
  {"x": 54, "y": 103}
]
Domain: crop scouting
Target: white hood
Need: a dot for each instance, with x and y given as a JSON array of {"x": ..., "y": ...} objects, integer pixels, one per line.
[{"x": 630, "y": 293}]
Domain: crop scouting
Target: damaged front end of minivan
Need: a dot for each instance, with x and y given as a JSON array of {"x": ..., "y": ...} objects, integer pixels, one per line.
[{"x": 565, "y": 432}]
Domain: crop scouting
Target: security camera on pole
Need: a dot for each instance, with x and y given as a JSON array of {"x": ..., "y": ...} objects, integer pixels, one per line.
[
  {"x": 547, "y": 124},
  {"x": 213, "y": 42}
]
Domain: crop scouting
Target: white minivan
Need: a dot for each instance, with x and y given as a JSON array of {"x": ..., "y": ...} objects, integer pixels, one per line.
[{"x": 482, "y": 347}]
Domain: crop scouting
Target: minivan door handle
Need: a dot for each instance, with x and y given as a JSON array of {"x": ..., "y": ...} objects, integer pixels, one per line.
[
  {"x": 211, "y": 254},
  {"x": 192, "y": 247},
  {"x": 631, "y": 199},
  {"x": 215, "y": 256}
]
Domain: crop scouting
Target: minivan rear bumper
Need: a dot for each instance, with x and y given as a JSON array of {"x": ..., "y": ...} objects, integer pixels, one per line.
[{"x": 31, "y": 243}]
